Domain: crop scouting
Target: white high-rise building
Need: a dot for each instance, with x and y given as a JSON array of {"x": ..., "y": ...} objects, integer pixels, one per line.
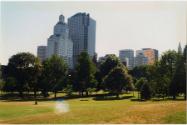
[
  {"x": 127, "y": 57},
  {"x": 60, "y": 43}
]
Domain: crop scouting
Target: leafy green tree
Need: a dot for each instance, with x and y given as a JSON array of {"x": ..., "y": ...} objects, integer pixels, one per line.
[
  {"x": 54, "y": 72},
  {"x": 168, "y": 63},
  {"x": 178, "y": 84},
  {"x": 117, "y": 80},
  {"x": 1, "y": 80},
  {"x": 166, "y": 70},
  {"x": 85, "y": 73},
  {"x": 34, "y": 74},
  {"x": 145, "y": 91},
  {"x": 140, "y": 71},
  {"x": 18, "y": 65},
  {"x": 9, "y": 85},
  {"x": 139, "y": 84},
  {"x": 109, "y": 62},
  {"x": 161, "y": 88}
]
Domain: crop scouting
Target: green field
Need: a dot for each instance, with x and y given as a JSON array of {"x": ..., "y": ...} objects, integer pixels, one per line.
[{"x": 90, "y": 110}]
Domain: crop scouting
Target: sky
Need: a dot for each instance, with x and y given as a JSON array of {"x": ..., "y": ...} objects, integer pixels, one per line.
[{"x": 120, "y": 25}]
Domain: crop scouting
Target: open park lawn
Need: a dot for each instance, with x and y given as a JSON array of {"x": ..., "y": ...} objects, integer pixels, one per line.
[{"x": 90, "y": 110}]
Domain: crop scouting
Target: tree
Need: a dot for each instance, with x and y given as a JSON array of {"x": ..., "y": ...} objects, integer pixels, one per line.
[
  {"x": 139, "y": 84},
  {"x": 161, "y": 87},
  {"x": 117, "y": 80},
  {"x": 167, "y": 68},
  {"x": 108, "y": 63},
  {"x": 55, "y": 71},
  {"x": 178, "y": 84},
  {"x": 34, "y": 73},
  {"x": 140, "y": 71},
  {"x": 9, "y": 85},
  {"x": 168, "y": 63},
  {"x": 85, "y": 73},
  {"x": 145, "y": 91},
  {"x": 1, "y": 81},
  {"x": 18, "y": 66}
]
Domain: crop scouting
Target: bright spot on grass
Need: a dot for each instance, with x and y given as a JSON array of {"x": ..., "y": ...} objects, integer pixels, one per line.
[{"x": 61, "y": 106}]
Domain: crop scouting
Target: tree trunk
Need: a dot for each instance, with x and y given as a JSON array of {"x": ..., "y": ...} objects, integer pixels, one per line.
[
  {"x": 117, "y": 96},
  {"x": 80, "y": 93},
  {"x": 35, "y": 97},
  {"x": 138, "y": 94},
  {"x": 55, "y": 94},
  {"x": 86, "y": 93},
  {"x": 174, "y": 97},
  {"x": 21, "y": 93}
]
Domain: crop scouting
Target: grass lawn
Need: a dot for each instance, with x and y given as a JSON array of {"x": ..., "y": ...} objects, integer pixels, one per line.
[{"x": 89, "y": 110}]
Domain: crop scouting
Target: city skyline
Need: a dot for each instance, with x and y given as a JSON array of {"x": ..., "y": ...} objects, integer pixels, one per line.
[{"x": 161, "y": 25}]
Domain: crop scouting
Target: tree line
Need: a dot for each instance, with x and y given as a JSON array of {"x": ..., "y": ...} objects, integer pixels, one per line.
[{"x": 26, "y": 73}]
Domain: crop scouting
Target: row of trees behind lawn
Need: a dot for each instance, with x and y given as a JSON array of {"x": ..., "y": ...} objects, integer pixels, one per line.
[
  {"x": 25, "y": 73},
  {"x": 167, "y": 77}
]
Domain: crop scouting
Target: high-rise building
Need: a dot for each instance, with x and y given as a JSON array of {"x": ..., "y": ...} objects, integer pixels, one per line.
[
  {"x": 156, "y": 54},
  {"x": 60, "y": 43},
  {"x": 41, "y": 52},
  {"x": 140, "y": 59},
  {"x": 146, "y": 56},
  {"x": 82, "y": 31},
  {"x": 151, "y": 54},
  {"x": 127, "y": 57}
]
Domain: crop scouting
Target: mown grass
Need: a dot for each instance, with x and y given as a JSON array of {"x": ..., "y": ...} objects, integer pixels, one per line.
[
  {"x": 176, "y": 118},
  {"x": 92, "y": 110}
]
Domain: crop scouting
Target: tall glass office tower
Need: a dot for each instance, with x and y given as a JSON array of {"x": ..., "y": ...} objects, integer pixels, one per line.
[{"x": 82, "y": 31}]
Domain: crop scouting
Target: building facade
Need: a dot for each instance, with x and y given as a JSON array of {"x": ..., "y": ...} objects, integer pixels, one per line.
[
  {"x": 42, "y": 52},
  {"x": 146, "y": 56},
  {"x": 140, "y": 58},
  {"x": 82, "y": 31},
  {"x": 127, "y": 57},
  {"x": 151, "y": 54},
  {"x": 60, "y": 43}
]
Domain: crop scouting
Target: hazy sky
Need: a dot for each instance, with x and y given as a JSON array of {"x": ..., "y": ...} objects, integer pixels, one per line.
[{"x": 120, "y": 25}]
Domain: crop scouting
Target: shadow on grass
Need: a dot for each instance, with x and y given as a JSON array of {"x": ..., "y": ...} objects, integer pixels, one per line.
[
  {"x": 109, "y": 97},
  {"x": 16, "y": 97},
  {"x": 157, "y": 99},
  {"x": 96, "y": 97}
]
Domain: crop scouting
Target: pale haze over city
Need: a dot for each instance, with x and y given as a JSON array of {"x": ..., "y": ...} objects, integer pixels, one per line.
[{"x": 119, "y": 25}]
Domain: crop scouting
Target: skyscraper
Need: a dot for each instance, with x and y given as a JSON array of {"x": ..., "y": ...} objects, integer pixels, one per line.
[
  {"x": 151, "y": 54},
  {"x": 82, "y": 31},
  {"x": 146, "y": 56},
  {"x": 140, "y": 59},
  {"x": 127, "y": 57},
  {"x": 41, "y": 52},
  {"x": 60, "y": 43}
]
